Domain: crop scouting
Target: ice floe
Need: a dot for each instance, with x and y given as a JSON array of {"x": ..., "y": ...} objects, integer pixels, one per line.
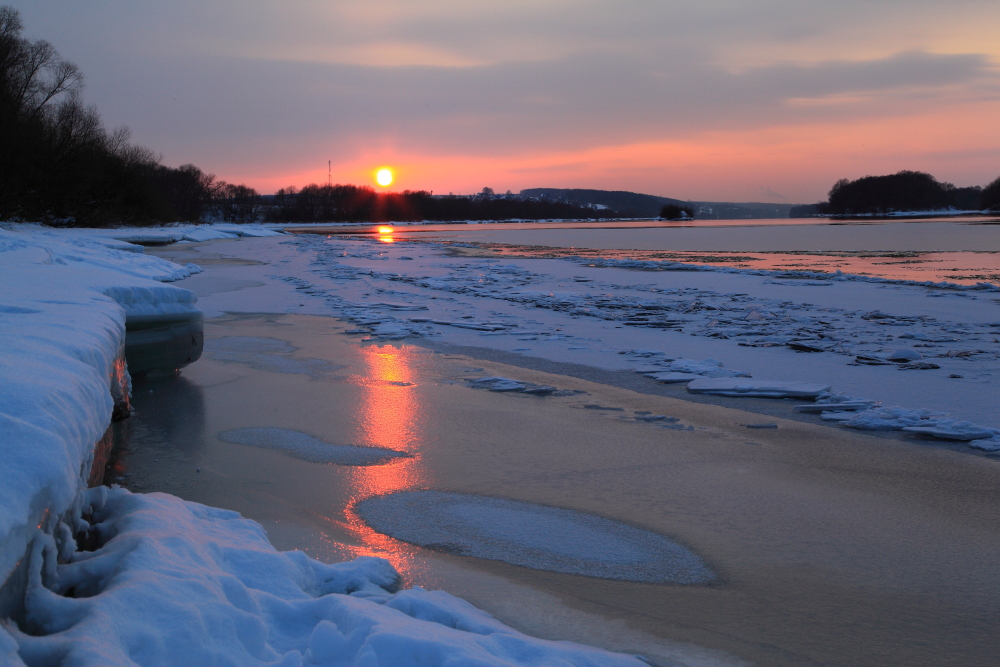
[
  {"x": 309, "y": 448},
  {"x": 535, "y": 536},
  {"x": 502, "y": 384},
  {"x": 762, "y": 388}
]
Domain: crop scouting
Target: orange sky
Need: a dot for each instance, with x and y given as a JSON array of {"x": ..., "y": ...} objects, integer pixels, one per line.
[{"x": 726, "y": 100}]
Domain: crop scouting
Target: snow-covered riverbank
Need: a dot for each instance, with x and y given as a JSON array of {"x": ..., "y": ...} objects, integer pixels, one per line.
[
  {"x": 98, "y": 577},
  {"x": 81, "y": 567}
]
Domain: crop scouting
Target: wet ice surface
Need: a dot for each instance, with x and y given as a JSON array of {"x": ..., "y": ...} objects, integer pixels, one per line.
[
  {"x": 535, "y": 536},
  {"x": 308, "y": 448},
  {"x": 266, "y": 354}
]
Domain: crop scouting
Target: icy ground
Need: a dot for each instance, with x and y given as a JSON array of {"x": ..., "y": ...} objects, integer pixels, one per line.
[
  {"x": 91, "y": 577},
  {"x": 895, "y": 355}
]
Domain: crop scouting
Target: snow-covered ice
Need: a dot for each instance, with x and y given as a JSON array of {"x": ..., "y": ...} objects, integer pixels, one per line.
[
  {"x": 672, "y": 322},
  {"x": 764, "y": 388},
  {"x": 170, "y": 582},
  {"x": 535, "y": 536}
]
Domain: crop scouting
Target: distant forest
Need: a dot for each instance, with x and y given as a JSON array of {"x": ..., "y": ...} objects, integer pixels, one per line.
[
  {"x": 58, "y": 164},
  {"x": 351, "y": 203},
  {"x": 901, "y": 192}
]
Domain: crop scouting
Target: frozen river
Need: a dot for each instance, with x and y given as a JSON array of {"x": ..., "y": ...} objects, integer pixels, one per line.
[
  {"x": 965, "y": 251},
  {"x": 979, "y": 234},
  {"x": 822, "y": 545}
]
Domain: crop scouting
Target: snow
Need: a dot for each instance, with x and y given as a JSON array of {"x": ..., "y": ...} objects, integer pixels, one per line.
[
  {"x": 178, "y": 583},
  {"x": 309, "y": 448},
  {"x": 535, "y": 536},
  {"x": 62, "y": 326}
]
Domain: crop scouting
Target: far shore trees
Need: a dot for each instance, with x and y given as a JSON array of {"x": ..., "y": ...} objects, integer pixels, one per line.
[
  {"x": 991, "y": 196},
  {"x": 904, "y": 191},
  {"x": 675, "y": 212},
  {"x": 59, "y": 165}
]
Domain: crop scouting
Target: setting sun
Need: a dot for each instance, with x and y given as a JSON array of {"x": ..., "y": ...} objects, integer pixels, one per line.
[
  {"x": 384, "y": 177},
  {"x": 385, "y": 230}
]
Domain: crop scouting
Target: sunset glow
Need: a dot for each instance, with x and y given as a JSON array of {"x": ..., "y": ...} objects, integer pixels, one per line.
[
  {"x": 390, "y": 418},
  {"x": 824, "y": 94}
]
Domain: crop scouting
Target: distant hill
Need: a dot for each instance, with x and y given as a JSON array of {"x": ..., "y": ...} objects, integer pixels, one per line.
[
  {"x": 637, "y": 205},
  {"x": 628, "y": 204}
]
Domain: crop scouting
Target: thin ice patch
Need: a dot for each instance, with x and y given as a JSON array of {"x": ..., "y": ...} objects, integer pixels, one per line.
[
  {"x": 266, "y": 354},
  {"x": 308, "y": 448},
  {"x": 535, "y": 536}
]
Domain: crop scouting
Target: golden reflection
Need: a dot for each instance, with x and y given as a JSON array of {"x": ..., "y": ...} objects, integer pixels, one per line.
[
  {"x": 389, "y": 416},
  {"x": 386, "y": 239}
]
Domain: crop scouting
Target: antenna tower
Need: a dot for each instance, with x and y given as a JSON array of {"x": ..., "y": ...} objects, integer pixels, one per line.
[{"x": 329, "y": 174}]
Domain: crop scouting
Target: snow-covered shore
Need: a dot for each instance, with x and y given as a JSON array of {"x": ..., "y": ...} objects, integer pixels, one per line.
[
  {"x": 106, "y": 577},
  {"x": 99, "y": 577}
]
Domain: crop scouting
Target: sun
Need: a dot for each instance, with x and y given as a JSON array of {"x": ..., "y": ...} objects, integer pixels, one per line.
[{"x": 384, "y": 177}]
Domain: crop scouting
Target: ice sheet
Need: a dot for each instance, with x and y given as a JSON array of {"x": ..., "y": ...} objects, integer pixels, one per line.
[{"x": 535, "y": 536}]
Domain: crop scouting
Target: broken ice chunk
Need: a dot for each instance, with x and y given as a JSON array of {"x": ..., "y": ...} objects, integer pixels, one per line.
[
  {"x": 904, "y": 355},
  {"x": 987, "y": 444},
  {"x": 949, "y": 429},
  {"x": 672, "y": 378},
  {"x": 918, "y": 366},
  {"x": 761, "y": 388},
  {"x": 893, "y": 419}
]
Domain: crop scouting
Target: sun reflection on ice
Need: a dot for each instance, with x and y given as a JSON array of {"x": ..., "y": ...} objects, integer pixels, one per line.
[{"x": 389, "y": 417}]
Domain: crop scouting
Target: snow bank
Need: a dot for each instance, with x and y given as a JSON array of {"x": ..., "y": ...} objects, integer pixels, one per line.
[
  {"x": 178, "y": 583},
  {"x": 62, "y": 330}
]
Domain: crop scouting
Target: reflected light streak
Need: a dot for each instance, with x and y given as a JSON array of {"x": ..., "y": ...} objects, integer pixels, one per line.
[{"x": 389, "y": 417}]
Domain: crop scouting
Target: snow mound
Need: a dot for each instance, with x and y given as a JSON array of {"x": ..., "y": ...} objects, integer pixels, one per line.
[
  {"x": 535, "y": 536},
  {"x": 66, "y": 296},
  {"x": 207, "y": 234},
  {"x": 761, "y": 388},
  {"x": 178, "y": 583},
  {"x": 308, "y": 448}
]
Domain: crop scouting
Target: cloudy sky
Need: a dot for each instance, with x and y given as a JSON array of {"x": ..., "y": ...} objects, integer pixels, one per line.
[{"x": 770, "y": 100}]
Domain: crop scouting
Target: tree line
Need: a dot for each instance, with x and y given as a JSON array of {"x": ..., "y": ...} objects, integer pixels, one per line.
[
  {"x": 902, "y": 191},
  {"x": 58, "y": 163},
  {"x": 352, "y": 203}
]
